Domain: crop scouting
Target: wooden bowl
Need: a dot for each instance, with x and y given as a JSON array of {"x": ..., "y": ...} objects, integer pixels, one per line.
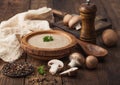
[{"x": 48, "y": 53}]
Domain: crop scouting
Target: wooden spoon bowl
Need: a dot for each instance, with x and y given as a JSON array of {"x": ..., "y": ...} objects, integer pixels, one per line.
[{"x": 92, "y": 49}]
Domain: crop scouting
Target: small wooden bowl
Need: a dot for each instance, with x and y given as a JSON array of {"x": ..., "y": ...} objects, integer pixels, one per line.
[{"x": 44, "y": 53}]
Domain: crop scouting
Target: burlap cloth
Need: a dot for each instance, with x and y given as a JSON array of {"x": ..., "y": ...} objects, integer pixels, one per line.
[{"x": 22, "y": 24}]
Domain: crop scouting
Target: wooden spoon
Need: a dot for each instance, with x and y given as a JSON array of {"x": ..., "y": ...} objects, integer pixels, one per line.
[{"x": 92, "y": 49}]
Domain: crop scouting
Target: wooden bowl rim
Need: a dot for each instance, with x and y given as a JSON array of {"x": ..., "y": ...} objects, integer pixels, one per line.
[{"x": 26, "y": 37}]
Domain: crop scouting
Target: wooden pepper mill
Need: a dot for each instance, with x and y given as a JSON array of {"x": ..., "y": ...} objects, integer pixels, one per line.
[{"x": 87, "y": 14}]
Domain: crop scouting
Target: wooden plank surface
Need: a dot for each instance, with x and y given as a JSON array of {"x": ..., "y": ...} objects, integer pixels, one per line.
[
  {"x": 47, "y": 79},
  {"x": 90, "y": 76},
  {"x": 9, "y": 8},
  {"x": 107, "y": 72},
  {"x": 113, "y": 11}
]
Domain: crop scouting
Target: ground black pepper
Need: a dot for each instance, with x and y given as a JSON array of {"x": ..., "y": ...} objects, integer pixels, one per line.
[{"x": 19, "y": 69}]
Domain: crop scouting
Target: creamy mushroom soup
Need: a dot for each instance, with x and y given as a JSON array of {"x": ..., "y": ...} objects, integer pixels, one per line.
[{"x": 58, "y": 41}]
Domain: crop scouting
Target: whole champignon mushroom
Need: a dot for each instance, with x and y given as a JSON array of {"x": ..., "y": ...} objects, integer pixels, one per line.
[
  {"x": 55, "y": 65},
  {"x": 76, "y": 59},
  {"x": 91, "y": 62},
  {"x": 70, "y": 72},
  {"x": 109, "y": 37},
  {"x": 67, "y": 18},
  {"x": 74, "y": 21}
]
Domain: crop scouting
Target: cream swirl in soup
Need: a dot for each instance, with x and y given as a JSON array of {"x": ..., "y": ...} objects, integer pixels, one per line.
[{"x": 58, "y": 41}]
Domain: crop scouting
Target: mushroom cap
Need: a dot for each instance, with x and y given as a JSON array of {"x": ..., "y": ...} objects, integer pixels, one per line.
[
  {"x": 57, "y": 62},
  {"x": 91, "y": 62},
  {"x": 67, "y": 18},
  {"x": 109, "y": 37},
  {"x": 78, "y": 57},
  {"x": 74, "y": 20}
]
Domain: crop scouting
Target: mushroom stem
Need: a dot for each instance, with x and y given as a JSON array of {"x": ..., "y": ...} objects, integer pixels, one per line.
[
  {"x": 73, "y": 63},
  {"x": 70, "y": 72},
  {"x": 53, "y": 69},
  {"x": 78, "y": 26}
]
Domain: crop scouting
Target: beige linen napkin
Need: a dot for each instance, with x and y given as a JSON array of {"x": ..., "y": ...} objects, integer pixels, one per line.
[{"x": 21, "y": 23}]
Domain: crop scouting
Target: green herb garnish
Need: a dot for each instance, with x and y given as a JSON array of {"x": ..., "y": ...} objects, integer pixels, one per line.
[
  {"x": 41, "y": 70},
  {"x": 48, "y": 38}
]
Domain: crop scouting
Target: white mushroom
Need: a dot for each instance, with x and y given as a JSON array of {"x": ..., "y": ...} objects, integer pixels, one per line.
[
  {"x": 55, "y": 65},
  {"x": 74, "y": 22},
  {"x": 67, "y": 18},
  {"x": 70, "y": 72},
  {"x": 76, "y": 59}
]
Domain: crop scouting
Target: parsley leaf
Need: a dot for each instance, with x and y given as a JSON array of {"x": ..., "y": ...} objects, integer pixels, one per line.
[
  {"x": 48, "y": 38},
  {"x": 41, "y": 70}
]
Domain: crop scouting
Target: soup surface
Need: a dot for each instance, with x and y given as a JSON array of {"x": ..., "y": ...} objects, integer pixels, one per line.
[{"x": 58, "y": 41}]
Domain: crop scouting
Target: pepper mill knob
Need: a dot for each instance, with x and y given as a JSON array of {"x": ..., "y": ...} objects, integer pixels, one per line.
[{"x": 87, "y": 14}]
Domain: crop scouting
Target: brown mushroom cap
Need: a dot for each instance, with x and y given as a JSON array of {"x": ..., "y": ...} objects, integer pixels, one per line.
[
  {"x": 74, "y": 20},
  {"x": 66, "y": 19},
  {"x": 77, "y": 56},
  {"x": 109, "y": 37},
  {"x": 57, "y": 62},
  {"x": 91, "y": 62}
]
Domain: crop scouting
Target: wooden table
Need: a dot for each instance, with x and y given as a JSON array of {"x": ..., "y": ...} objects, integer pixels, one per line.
[{"x": 107, "y": 72}]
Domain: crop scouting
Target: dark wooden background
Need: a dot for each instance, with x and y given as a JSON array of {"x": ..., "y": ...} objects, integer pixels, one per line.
[{"x": 107, "y": 72}]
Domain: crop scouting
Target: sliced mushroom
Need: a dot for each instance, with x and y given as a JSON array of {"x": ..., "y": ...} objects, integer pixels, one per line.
[
  {"x": 76, "y": 59},
  {"x": 55, "y": 65},
  {"x": 70, "y": 72}
]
